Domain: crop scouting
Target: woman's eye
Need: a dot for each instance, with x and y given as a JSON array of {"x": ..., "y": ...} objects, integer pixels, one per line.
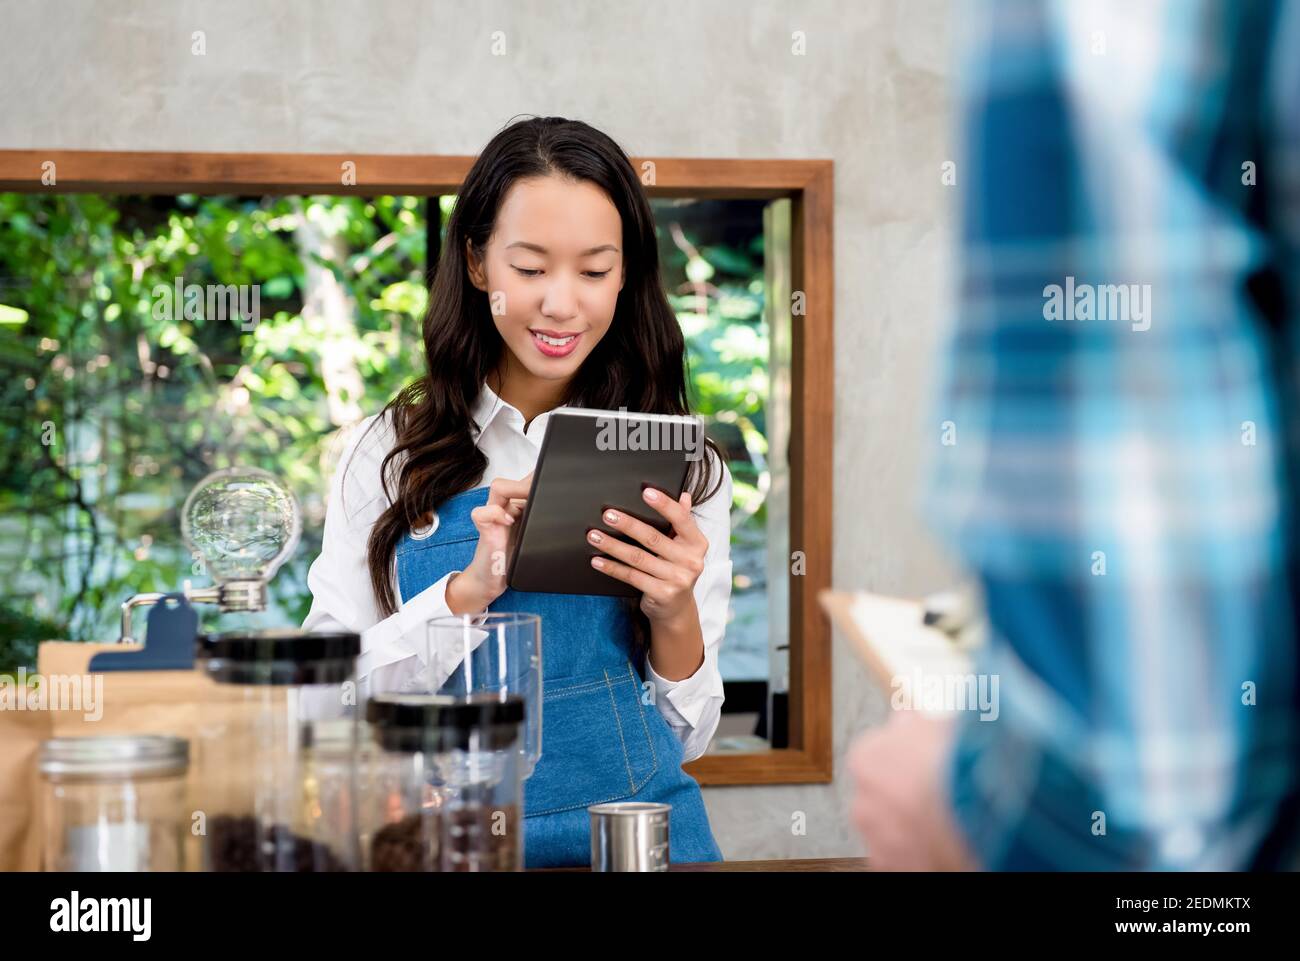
[{"x": 593, "y": 274}]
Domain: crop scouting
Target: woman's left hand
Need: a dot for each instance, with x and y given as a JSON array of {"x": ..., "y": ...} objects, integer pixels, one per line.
[{"x": 665, "y": 567}]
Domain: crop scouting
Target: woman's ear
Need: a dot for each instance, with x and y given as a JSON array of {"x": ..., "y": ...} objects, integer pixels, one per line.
[{"x": 475, "y": 268}]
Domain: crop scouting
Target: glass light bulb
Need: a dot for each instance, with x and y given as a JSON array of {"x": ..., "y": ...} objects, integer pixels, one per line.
[{"x": 243, "y": 521}]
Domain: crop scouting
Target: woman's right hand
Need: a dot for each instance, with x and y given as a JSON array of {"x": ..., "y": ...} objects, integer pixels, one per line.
[{"x": 484, "y": 580}]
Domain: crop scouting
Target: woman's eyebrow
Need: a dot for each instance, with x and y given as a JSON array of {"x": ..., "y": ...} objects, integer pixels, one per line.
[{"x": 542, "y": 250}]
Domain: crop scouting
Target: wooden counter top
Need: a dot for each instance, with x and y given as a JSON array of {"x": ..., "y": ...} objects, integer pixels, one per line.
[{"x": 803, "y": 864}]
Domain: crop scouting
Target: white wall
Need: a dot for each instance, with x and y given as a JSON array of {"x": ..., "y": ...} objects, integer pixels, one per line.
[{"x": 676, "y": 77}]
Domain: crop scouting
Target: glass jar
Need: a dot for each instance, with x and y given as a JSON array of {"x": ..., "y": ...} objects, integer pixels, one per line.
[
  {"x": 444, "y": 783},
  {"x": 276, "y": 751},
  {"x": 499, "y": 653},
  {"x": 114, "y": 803}
]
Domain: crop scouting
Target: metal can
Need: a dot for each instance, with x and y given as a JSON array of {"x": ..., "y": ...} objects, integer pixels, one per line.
[{"x": 629, "y": 836}]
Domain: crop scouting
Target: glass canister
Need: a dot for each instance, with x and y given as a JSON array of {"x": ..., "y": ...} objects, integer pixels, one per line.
[
  {"x": 444, "y": 783},
  {"x": 114, "y": 803},
  {"x": 276, "y": 774},
  {"x": 499, "y": 653}
]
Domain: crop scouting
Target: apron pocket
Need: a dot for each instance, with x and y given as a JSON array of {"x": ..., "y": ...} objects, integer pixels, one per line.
[{"x": 596, "y": 745}]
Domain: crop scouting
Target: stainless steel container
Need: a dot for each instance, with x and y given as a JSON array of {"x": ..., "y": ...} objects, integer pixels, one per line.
[{"x": 629, "y": 836}]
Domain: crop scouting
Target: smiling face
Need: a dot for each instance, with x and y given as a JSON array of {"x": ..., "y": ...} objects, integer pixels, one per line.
[{"x": 552, "y": 271}]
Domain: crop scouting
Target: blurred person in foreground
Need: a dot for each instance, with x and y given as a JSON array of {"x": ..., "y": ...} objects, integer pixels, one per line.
[{"x": 1123, "y": 481}]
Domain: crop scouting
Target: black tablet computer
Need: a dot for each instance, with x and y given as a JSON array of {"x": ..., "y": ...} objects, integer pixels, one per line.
[{"x": 592, "y": 460}]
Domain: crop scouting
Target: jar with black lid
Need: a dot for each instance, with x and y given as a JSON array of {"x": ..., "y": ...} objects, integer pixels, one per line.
[
  {"x": 276, "y": 751},
  {"x": 444, "y": 786}
]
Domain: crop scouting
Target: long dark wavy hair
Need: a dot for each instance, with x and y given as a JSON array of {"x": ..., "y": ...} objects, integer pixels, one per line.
[{"x": 640, "y": 363}]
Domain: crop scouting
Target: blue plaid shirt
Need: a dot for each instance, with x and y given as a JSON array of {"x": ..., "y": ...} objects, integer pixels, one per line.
[{"x": 1116, "y": 439}]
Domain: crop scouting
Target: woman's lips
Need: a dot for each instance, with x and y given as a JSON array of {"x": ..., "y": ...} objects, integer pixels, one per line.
[{"x": 555, "y": 343}]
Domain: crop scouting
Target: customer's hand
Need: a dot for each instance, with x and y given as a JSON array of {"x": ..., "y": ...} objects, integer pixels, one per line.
[
  {"x": 484, "y": 580},
  {"x": 900, "y": 804}
]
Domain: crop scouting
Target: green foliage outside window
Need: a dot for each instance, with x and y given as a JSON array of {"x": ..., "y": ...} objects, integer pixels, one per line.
[{"x": 117, "y": 399}]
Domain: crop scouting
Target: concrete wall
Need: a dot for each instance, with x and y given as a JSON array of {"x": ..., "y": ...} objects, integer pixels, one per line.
[{"x": 703, "y": 78}]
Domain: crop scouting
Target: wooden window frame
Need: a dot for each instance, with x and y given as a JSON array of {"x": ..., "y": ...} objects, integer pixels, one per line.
[{"x": 808, "y": 184}]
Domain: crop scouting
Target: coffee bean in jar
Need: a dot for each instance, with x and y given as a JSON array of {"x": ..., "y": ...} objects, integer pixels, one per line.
[
  {"x": 465, "y": 751},
  {"x": 480, "y": 838},
  {"x": 278, "y": 763},
  {"x": 411, "y": 844},
  {"x": 245, "y": 844}
]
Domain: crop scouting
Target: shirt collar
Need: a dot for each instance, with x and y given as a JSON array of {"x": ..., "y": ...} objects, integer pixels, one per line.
[{"x": 489, "y": 406}]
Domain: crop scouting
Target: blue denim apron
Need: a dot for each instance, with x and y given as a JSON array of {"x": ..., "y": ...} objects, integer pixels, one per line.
[{"x": 600, "y": 742}]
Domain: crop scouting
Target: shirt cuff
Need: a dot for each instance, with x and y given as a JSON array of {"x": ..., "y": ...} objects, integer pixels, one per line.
[
  {"x": 403, "y": 635},
  {"x": 688, "y": 697}
]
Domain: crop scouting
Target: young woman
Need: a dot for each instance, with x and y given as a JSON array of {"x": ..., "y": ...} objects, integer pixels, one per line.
[{"x": 547, "y": 293}]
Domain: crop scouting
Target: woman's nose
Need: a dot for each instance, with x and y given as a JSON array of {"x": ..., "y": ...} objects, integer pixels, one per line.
[{"x": 560, "y": 301}]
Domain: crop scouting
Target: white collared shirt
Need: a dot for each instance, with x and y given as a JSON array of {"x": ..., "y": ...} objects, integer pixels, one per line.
[{"x": 393, "y": 650}]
